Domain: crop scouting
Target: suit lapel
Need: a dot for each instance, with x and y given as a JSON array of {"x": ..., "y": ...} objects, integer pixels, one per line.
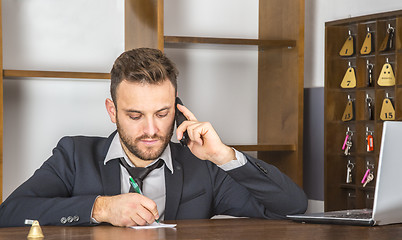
[
  {"x": 174, "y": 186},
  {"x": 110, "y": 173}
]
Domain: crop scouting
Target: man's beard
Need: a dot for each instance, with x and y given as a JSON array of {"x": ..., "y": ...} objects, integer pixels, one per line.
[{"x": 148, "y": 153}]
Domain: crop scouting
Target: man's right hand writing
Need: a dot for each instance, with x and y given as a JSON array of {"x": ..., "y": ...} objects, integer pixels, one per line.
[{"x": 125, "y": 210}]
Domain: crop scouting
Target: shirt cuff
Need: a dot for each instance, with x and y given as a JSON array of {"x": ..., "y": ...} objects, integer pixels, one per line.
[
  {"x": 238, "y": 162},
  {"x": 92, "y": 220}
]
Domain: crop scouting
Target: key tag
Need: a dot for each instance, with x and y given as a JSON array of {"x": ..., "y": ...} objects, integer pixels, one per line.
[
  {"x": 365, "y": 175},
  {"x": 367, "y": 44},
  {"x": 387, "y": 110},
  {"x": 369, "y": 108},
  {"x": 347, "y": 144},
  {"x": 369, "y": 78},
  {"x": 349, "y": 79},
  {"x": 348, "y": 113},
  {"x": 369, "y": 140},
  {"x": 347, "y": 49},
  {"x": 387, "y": 77},
  {"x": 387, "y": 43},
  {"x": 348, "y": 135}
]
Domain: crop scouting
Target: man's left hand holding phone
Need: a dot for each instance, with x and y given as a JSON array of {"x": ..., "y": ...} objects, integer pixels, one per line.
[{"x": 203, "y": 141}]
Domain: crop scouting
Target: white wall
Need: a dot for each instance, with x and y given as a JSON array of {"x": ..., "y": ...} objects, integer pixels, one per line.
[
  {"x": 219, "y": 83},
  {"x": 320, "y": 11},
  {"x": 74, "y": 35}
]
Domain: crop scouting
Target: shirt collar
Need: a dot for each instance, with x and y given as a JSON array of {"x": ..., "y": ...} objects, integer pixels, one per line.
[{"x": 116, "y": 151}]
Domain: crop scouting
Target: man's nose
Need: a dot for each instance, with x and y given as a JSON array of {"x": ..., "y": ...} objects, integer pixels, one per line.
[{"x": 150, "y": 127}]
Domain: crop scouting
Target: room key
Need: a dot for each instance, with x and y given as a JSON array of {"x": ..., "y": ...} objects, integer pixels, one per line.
[
  {"x": 369, "y": 178},
  {"x": 349, "y": 172},
  {"x": 370, "y": 67},
  {"x": 348, "y": 146}
]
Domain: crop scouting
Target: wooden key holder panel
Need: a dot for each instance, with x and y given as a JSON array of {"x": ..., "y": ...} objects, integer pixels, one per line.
[{"x": 376, "y": 59}]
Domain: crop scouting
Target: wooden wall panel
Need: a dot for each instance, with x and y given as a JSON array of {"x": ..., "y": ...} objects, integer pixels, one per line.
[{"x": 281, "y": 83}]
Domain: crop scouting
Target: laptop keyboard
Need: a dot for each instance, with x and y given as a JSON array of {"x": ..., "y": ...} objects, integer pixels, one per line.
[{"x": 352, "y": 214}]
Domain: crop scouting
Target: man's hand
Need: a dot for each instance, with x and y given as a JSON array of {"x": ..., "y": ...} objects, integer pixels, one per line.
[
  {"x": 204, "y": 142},
  {"x": 125, "y": 210}
]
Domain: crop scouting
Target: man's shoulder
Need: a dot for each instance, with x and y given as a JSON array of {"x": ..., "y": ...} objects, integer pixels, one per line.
[
  {"x": 80, "y": 139},
  {"x": 89, "y": 143}
]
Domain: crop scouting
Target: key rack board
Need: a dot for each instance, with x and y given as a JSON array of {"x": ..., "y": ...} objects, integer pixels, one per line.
[{"x": 339, "y": 193}]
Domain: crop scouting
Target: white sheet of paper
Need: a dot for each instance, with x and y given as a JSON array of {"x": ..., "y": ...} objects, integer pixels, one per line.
[{"x": 154, "y": 225}]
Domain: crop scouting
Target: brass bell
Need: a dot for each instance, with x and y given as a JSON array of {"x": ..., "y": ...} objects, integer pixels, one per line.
[{"x": 35, "y": 232}]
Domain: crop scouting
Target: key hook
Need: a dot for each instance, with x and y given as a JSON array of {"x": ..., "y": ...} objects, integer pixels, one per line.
[
  {"x": 390, "y": 28},
  {"x": 368, "y": 131},
  {"x": 349, "y": 132},
  {"x": 369, "y": 65},
  {"x": 370, "y": 166},
  {"x": 387, "y": 96}
]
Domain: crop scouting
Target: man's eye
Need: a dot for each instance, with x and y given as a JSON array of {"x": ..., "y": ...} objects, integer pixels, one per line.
[
  {"x": 135, "y": 117},
  {"x": 162, "y": 115}
]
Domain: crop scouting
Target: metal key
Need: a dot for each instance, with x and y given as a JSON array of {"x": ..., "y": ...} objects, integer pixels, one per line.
[
  {"x": 391, "y": 36},
  {"x": 350, "y": 166},
  {"x": 370, "y": 111},
  {"x": 369, "y": 74},
  {"x": 369, "y": 178}
]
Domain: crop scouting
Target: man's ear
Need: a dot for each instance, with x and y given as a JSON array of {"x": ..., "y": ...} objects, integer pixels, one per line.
[{"x": 111, "y": 110}]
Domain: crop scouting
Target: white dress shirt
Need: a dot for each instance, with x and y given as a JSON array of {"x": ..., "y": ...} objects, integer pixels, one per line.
[{"x": 154, "y": 184}]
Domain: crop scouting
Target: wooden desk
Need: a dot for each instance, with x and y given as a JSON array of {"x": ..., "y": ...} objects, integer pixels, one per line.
[{"x": 216, "y": 229}]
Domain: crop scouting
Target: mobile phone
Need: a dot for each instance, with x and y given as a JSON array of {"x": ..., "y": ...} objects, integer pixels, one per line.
[{"x": 180, "y": 118}]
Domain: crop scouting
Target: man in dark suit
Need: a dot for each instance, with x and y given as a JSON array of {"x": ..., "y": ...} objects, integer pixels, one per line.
[{"x": 86, "y": 180}]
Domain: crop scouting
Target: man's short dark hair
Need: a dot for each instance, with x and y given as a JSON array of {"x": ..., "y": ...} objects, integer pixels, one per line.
[{"x": 142, "y": 65}]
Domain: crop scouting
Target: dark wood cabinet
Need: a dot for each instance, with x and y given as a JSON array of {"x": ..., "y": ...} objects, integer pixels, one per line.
[{"x": 340, "y": 194}]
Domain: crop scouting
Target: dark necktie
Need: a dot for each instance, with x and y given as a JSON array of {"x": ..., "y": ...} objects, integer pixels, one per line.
[{"x": 140, "y": 173}]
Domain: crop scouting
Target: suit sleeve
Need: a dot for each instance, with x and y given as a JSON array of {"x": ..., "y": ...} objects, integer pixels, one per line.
[
  {"x": 48, "y": 195},
  {"x": 257, "y": 189}
]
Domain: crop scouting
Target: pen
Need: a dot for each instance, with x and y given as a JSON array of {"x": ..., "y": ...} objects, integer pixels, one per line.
[
  {"x": 135, "y": 186},
  {"x": 138, "y": 190}
]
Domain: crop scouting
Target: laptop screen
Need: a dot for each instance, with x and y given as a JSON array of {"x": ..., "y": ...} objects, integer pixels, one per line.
[{"x": 388, "y": 193}]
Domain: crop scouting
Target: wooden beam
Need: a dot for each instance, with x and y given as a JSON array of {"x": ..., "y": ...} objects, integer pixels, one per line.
[
  {"x": 55, "y": 74},
  {"x": 231, "y": 41},
  {"x": 160, "y": 25},
  {"x": 143, "y": 24}
]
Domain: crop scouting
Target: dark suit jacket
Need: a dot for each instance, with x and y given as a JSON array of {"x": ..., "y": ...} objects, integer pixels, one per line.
[{"x": 64, "y": 188}]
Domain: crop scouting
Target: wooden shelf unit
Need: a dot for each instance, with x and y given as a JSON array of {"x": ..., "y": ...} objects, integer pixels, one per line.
[
  {"x": 338, "y": 194},
  {"x": 280, "y": 82}
]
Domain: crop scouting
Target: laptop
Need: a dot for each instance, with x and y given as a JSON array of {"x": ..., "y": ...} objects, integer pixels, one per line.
[{"x": 387, "y": 208}]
